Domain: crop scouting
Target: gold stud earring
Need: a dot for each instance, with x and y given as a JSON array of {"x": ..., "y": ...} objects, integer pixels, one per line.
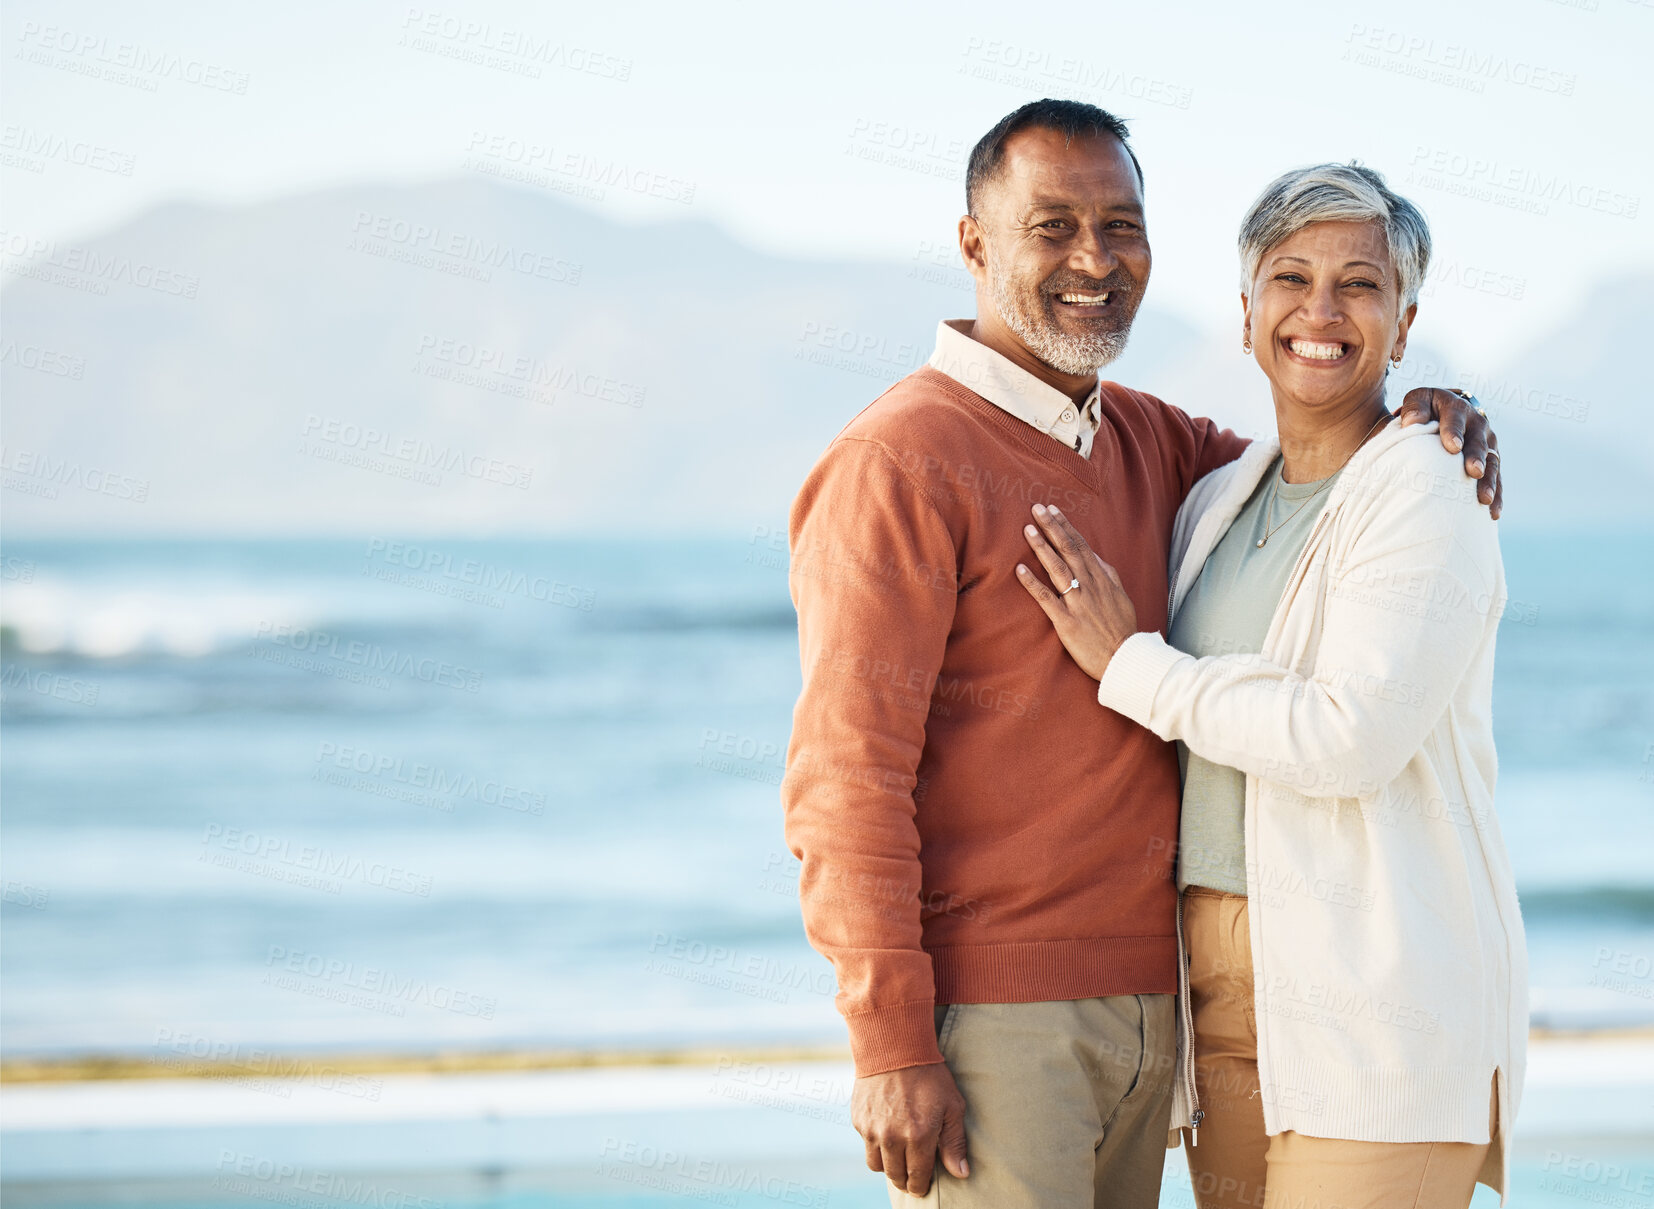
[{"x": 1246, "y": 345}]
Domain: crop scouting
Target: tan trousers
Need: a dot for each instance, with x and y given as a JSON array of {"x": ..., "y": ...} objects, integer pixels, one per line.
[
  {"x": 1236, "y": 1164},
  {"x": 1066, "y": 1103}
]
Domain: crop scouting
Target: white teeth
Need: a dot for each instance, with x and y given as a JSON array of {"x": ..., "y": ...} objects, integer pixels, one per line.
[
  {"x": 1085, "y": 299},
  {"x": 1315, "y": 350}
]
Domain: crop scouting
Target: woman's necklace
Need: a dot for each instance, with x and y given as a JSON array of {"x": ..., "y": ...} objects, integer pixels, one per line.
[{"x": 1269, "y": 513}]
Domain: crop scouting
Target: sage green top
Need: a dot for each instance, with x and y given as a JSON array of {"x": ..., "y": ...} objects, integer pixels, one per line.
[{"x": 1227, "y": 612}]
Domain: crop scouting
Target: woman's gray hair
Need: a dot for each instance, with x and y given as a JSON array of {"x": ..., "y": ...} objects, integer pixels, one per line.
[{"x": 1337, "y": 193}]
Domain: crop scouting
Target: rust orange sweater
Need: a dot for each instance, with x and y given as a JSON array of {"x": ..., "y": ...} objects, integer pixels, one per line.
[{"x": 973, "y": 827}]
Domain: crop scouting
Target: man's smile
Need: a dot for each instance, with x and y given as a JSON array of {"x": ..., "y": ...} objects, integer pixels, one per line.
[{"x": 1085, "y": 305}]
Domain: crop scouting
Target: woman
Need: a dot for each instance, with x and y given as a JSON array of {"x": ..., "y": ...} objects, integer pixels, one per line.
[{"x": 1354, "y": 986}]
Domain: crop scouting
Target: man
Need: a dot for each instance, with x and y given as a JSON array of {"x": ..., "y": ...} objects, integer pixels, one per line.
[{"x": 987, "y": 855}]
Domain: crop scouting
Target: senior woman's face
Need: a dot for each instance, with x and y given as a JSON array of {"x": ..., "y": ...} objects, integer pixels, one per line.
[{"x": 1325, "y": 315}]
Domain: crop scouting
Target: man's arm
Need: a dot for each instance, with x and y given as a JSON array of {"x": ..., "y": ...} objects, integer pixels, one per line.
[
  {"x": 1464, "y": 430},
  {"x": 874, "y": 578}
]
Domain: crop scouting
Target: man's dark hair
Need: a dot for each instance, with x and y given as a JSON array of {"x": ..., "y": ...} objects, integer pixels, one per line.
[{"x": 1071, "y": 119}]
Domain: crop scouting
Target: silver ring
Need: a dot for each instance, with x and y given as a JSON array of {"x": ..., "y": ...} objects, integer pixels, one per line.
[
  {"x": 1072, "y": 584},
  {"x": 1492, "y": 453}
]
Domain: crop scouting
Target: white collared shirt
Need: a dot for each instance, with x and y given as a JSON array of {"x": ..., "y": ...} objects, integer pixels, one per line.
[{"x": 1013, "y": 389}]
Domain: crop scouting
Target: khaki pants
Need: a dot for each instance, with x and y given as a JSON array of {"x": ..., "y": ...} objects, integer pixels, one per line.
[
  {"x": 1236, "y": 1164},
  {"x": 1066, "y": 1103}
]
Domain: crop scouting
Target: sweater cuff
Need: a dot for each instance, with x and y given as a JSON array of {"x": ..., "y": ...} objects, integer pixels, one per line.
[
  {"x": 1133, "y": 676},
  {"x": 890, "y": 1038}
]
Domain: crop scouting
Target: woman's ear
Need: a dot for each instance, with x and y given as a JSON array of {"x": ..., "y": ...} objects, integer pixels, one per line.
[
  {"x": 1246, "y": 321},
  {"x": 1402, "y": 324}
]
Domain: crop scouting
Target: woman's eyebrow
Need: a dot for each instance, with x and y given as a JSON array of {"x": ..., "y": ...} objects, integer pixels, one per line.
[{"x": 1348, "y": 264}]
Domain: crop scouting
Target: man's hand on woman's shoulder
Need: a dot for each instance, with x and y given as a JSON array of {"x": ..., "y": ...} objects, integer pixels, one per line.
[{"x": 1464, "y": 427}]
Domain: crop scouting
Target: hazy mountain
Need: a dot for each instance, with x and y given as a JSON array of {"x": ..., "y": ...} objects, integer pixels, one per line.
[{"x": 209, "y": 369}]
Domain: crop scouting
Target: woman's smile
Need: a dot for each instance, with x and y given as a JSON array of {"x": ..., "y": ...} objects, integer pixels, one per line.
[{"x": 1318, "y": 352}]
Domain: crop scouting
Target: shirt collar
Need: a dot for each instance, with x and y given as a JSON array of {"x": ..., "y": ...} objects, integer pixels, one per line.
[{"x": 1013, "y": 389}]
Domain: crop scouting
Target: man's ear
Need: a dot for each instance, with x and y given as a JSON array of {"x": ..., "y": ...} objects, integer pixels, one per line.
[{"x": 973, "y": 247}]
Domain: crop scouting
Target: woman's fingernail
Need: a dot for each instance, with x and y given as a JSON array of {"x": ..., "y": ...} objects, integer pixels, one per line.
[
  {"x": 1030, "y": 531},
  {"x": 1039, "y": 509},
  {"x": 1476, "y": 466},
  {"x": 1055, "y": 511}
]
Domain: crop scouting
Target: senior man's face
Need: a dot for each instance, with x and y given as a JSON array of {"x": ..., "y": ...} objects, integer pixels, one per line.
[{"x": 1065, "y": 251}]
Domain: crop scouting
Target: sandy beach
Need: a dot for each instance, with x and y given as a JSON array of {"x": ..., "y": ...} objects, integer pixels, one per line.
[{"x": 748, "y": 1119}]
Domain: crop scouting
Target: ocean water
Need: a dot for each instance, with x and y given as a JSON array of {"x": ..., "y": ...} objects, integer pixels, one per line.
[{"x": 367, "y": 794}]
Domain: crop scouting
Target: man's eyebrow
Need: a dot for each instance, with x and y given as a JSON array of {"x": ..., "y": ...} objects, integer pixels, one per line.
[
  {"x": 1063, "y": 203},
  {"x": 1348, "y": 264}
]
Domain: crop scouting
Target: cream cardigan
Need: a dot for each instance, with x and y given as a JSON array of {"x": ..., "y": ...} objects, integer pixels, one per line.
[{"x": 1388, "y": 948}]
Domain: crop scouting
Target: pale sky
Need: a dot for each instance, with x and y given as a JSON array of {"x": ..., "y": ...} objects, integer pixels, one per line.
[{"x": 839, "y": 130}]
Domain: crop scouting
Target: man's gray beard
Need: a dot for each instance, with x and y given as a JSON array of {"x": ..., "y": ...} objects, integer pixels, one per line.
[{"x": 1064, "y": 353}]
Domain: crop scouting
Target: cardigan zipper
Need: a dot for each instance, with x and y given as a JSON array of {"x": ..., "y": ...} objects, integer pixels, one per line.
[
  {"x": 1196, "y": 1113},
  {"x": 1196, "y": 1116}
]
